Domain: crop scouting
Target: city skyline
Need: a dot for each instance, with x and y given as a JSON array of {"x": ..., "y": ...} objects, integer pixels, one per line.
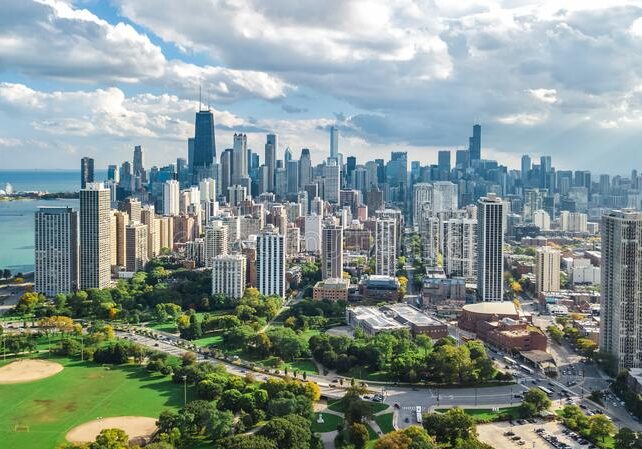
[{"x": 539, "y": 78}]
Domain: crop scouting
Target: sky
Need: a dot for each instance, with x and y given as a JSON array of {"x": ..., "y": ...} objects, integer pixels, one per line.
[{"x": 96, "y": 77}]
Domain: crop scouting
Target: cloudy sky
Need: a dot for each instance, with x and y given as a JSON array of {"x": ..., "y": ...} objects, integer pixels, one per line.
[{"x": 96, "y": 77}]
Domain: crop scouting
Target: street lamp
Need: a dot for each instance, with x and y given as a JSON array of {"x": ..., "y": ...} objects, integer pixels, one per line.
[{"x": 184, "y": 390}]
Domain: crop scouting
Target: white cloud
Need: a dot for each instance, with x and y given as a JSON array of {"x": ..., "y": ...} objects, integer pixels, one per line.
[
  {"x": 521, "y": 119},
  {"x": 548, "y": 96}
]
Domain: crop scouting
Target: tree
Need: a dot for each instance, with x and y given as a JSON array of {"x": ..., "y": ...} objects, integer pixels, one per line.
[
  {"x": 534, "y": 401},
  {"x": 414, "y": 437},
  {"x": 247, "y": 442},
  {"x": 627, "y": 439},
  {"x": 29, "y": 301},
  {"x": 358, "y": 435},
  {"x": 600, "y": 427},
  {"x": 288, "y": 432},
  {"x": 450, "y": 426},
  {"x": 111, "y": 439}
]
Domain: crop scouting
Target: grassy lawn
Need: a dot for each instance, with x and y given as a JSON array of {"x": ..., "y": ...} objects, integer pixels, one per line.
[
  {"x": 82, "y": 392},
  {"x": 210, "y": 340},
  {"x": 385, "y": 422},
  {"x": 168, "y": 326},
  {"x": 301, "y": 365},
  {"x": 363, "y": 374},
  {"x": 330, "y": 423},
  {"x": 486, "y": 414}
]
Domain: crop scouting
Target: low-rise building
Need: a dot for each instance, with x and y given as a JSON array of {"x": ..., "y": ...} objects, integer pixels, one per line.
[
  {"x": 384, "y": 288},
  {"x": 371, "y": 320},
  {"x": 437, "y": 291},
  {"x": 393, "y": 317},
  {"x": 332, "y": 288}
]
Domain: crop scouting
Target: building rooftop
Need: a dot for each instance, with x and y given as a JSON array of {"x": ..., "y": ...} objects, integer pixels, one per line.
[
  {"x": 375, "y": 318},
  {"x": 377, "y": 281},
  {"x": 409, "y": 314},
  {"x": 492, "y": 307},
  {"x": 333, "y": 284}
]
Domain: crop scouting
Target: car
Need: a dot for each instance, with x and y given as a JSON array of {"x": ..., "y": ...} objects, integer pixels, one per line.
[
  {"x": 406, "y": 420},
  {"x": 509, "y": 434},
  {"x": 521, "y": 443},
  {"x": 397, "y": 406},
  {"x": 517, "y": 396},
  {"x": 521, "y": 421},
  {"x": 516, "y": 438},
  {"x": 366, "y": 397},
  {"x": 156, "y": 344}
]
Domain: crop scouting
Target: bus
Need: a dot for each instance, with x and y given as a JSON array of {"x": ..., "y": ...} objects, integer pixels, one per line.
[
  {"x": 548, "y": 392},
  {"x": 510, "y": 361},
  {"x": 418, "y": 413},
  {"x": 527, "y": 369}
]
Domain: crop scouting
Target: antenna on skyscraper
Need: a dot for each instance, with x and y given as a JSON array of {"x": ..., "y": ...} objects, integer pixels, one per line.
[{"x": 200, "y": 95}]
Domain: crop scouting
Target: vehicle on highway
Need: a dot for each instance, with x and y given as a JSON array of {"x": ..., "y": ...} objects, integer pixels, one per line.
[{"x": 548, "y": 392}]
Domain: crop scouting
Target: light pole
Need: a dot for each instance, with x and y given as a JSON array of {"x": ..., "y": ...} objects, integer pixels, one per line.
[{"x": 184, "y": 390}]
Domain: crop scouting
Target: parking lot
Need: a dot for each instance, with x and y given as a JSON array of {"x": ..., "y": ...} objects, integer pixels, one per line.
[{"x": 540, "y": 435}]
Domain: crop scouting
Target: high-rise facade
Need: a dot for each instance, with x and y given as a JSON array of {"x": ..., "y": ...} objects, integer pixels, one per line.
[
  {"x": 331, "y": 181},
  {"x": 490, "y": 248},
  {"x": 229, "y": 275},
  {"x": 332, "y": 252},
  {"x": 171, "y": 197},
  {"x": 421, "y": 195},
  {"x": 139, "y": 163},
  {"x": 271, "y": 148},
  {"x": 204, "y": 145},
  {"x": 460, "y": 247},
  {"x": 474, "y": 144},
  {"x": 385, "y": 246},
  {"x": 270, "y": 262},
  {"x": 547, "y": 269},
  {"x": 56, "y": 250},
  {"x": 239, "y": 159},
  {"x": 305, "y": 168},
  {"x": 216, "y": 241},
  {"x": 86, "y": 171},
  {"x": 95, "y": 243},
  {"x": 334, "y": 143},
  {"x": 137, "y": 251},
  {"x": 621, "y": 287}
]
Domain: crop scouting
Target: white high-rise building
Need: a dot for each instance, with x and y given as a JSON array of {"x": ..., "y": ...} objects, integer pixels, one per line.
[
  {"x": 229, "y": 275},
  {"x": 236, "y": 194},
  {"x": 332, "y": 253},
  {"x": 216, "y": 242},
  {"x": 270, "y": 262},
  {"x": 56, "y": 253},
  {"x": 331, "y": 181},
  {"x": 547, "y": 269},
  {"x": 445, "y": 195},
  {"x": 621, "y": 287},
  {"x": 542, "y": 220},
  {"x": 207, "y": 186},
  {"x": 313, "y": 236},
  {"x": 573, "y": 221},
  {"x": 386, "y": 246},
  {"x": 171, "y": 197},
  {"x": 239, "y": 157},
  {"x": 334, "y": 142},
  {"x": 95, "y": 233},
  {"x": 460, "y": 248},
  {"x": 490, "y": 248}
]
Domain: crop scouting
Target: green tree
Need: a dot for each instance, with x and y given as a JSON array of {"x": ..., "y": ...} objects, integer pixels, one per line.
[
  {"x": 627, "y": 439},
  {"x": 414, "y": 437},
  {"x": 358, "y": 435},
  {"x": 600, "y": 427},
  {"x": 534, "y": 401},
  {"x": 450, "y": 426},
  {"x": 247, "y": 442},
  {"x": 111, "y": 439},
  {"x": 288, "y": 432}
]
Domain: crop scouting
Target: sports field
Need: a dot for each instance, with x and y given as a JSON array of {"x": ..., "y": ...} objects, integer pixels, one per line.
[{"x": 81, "y": 392}]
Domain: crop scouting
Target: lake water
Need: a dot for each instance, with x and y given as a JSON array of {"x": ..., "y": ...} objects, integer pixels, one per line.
[{"x": 17, "y": 217}]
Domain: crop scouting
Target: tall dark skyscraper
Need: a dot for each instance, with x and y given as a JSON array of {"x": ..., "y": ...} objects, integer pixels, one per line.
[
  {"x": 138, "y": 161},
  {"x": 86, "y": 171},
  {"x": 474, "y": 145},
  {"x": 271, "y": 148},
  {"x": 204, "y": 145}
]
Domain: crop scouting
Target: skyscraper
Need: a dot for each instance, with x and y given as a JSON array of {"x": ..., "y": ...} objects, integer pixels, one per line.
[
  {"x": 490, "y": 248},
  {"x": 216, "y": 241},
  {"x": 239, "y": 159},
  {"x": 331, "y": 181},
  {"x": 421, "y": 194},
  {"x": 385, "y": 246},
  {"x": 95, "y": 243},
  {"x": 305, "y": 168},
  {"x": 270, "y": 262},
  {"x": 332, "y": 252},
  {"x": 271, "y": 147},
  {"x": 474, "y": 144},
  {"x": 526, "y": 167},
  {"x": 229, "y": 275},
  {"x": 56, "y": 250},
  {"x": 136, "y": 242},
  {"x": 334, "y": 142},
  {"x": 443, "y": 161},
  {"x": 171, "y": 197},
  {"x": 86, "y": 171},
  {"x": 460, "y": 247},
  {"x": 139, "y": 164},
  {"x": 292, "y": 174},
  {"x": 621, "y": 287},
  {"x": 204, "y": 145},
  {"x": 547, "y": 269}
]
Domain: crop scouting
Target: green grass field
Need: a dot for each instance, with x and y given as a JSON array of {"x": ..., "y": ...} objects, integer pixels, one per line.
[
  {"x": 210, "y": 340},
  {"x": 385, "y": 422},
  {"x": 330, "y": 423},
  {"x": 337, "y": 406},
  {"x": 82, "y": 392},
  {"x": 486, "y": 414}
]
